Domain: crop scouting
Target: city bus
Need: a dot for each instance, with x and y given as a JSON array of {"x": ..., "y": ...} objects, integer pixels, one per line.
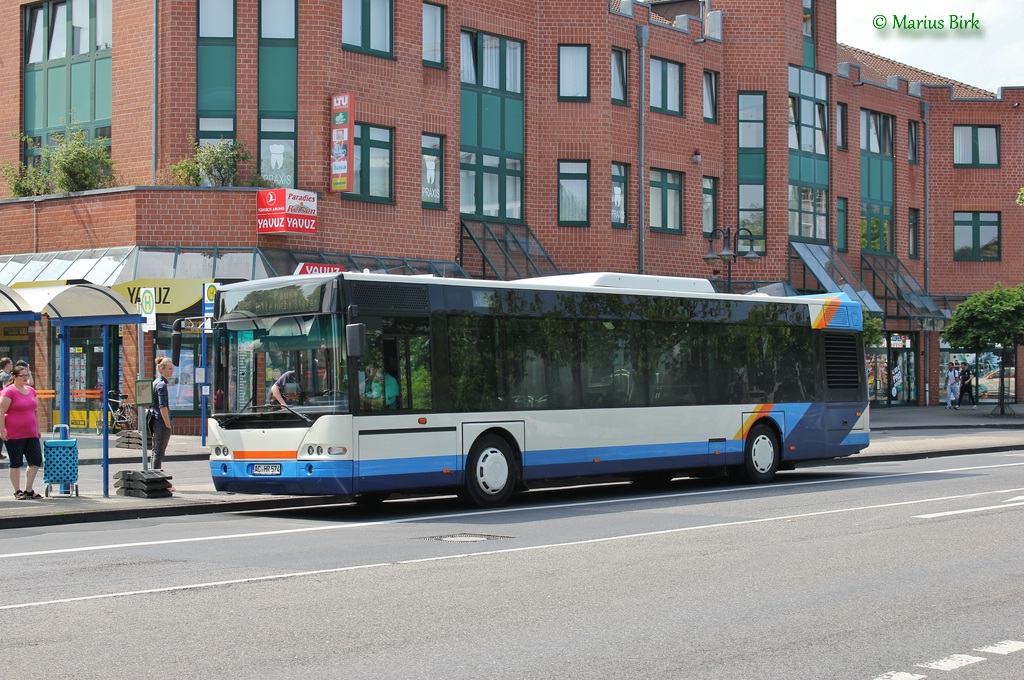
[{"x": 389, "y": 384}]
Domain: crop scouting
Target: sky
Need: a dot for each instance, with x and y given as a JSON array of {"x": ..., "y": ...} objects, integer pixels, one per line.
[{"x": 990, "y": 56}]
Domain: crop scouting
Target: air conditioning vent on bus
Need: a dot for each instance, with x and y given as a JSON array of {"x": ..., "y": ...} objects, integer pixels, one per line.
[
  {"x": 388, "y": 297},
  {"x": 843, "y": 366}
]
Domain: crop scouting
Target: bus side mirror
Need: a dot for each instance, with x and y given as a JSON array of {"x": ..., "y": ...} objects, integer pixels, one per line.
[
  {"x": 176, "y": 341},
  {"x": 355, "y": 339}
]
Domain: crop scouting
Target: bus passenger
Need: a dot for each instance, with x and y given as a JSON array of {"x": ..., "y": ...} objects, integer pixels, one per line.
[{"x": 381, "y": 389}]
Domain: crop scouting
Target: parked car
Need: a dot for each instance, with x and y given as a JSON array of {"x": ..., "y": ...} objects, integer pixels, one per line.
[{"x": 988, "y": 383}]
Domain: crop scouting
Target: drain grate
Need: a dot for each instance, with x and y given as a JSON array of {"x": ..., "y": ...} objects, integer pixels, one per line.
[{"x": 464, "y": 538}]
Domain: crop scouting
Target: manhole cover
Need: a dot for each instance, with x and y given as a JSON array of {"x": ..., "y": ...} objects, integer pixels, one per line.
[{"x": 464, "y": 538}]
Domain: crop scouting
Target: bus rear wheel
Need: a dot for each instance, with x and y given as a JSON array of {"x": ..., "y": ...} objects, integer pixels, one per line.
[
  {"x": 761, "y": 455},
  {"x": 490, "y": 473}
]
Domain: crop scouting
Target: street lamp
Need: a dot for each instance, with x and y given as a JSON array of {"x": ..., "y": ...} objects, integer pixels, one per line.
[{"x": 730, "y": 244}]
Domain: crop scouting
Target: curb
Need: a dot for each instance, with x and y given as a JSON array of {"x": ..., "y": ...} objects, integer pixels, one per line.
[{"x": 199, "y": 508}]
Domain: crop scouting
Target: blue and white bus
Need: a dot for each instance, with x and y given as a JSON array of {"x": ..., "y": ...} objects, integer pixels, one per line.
[{"x": 405, "y": 384}]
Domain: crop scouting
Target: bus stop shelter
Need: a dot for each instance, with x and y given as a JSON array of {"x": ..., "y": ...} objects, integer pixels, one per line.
[{"x": 65, "y": 306}]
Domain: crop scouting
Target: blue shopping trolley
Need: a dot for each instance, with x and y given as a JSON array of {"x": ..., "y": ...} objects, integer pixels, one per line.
[{"x": 60, "y": 462}]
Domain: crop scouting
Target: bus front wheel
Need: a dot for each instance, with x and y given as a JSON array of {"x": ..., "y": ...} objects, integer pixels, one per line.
[
  {"x": 490, "y": 473},
  {"x": 761, "y": 456}
]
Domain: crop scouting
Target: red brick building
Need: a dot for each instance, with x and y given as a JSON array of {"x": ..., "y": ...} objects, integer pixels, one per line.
[{"x": 517, "y": 139}]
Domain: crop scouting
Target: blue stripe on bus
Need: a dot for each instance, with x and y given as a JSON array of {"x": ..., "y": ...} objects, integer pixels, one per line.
[{"x": 328, "y": 477}]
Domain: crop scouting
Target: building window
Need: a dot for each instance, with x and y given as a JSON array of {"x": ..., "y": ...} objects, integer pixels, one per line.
[
  {"x": 620, "y": 93},
  {"x": 842, "y": 243},
  {"x": 710, "y": 96},
  {"x": 573, "y": 193},
  {"x": 666, "y": 87},
  {"x": 808, "y": 33},
  {"x": 432, "y": 171},
  {"x": 215, "y": 71},
  {"x": 371, "y": 164},
  {"x": 976, "y": 236},
  {"x": 620, "y": 195},
  {"x": 976, "y": 146},
  {"x": 808, "y": 213},
  {"x": 67, "y": 71},
  {"x": 841, "y": 114},
  {"x": 913, "y": 233},
  {"x": 433, "y": 35},
  {"x": 366, "y": 26},
  {"x": 912, "y": 142},
  {"x": 876, "y": 132},
  {"x": 751, "y": 166},
  {"x": 666, "y": 201},
  {"x": 876, "y": 232},
  {"x": 710, "y": 187},
  {"x": 808, "y": 126},
  {"x": 277, "y": 150},
  {"x": 491, "y": 144},
  {"x": 574, "y": 73}
]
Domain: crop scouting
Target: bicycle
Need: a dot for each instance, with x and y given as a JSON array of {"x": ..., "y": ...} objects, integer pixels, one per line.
[{"x": 121, "y": 415}]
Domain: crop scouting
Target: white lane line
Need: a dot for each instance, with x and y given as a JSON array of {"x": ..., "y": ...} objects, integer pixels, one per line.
[
  {"x": 952, "y": 662},
  {"x": 1012, "y": 500},
  {"x": 967, "y": 511},
  {"x": 1004, "y": 647},
  {"x": 664, "y": 532},
  {"x": 900, "y": 675},
  {"x": 193, "y": 586},
  {"x": 553, "y": 506}
]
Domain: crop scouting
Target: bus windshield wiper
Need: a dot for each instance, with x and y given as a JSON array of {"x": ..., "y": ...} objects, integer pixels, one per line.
[
  {"x": 301, "y": 415},
  {"x": 241, "y": 412}
]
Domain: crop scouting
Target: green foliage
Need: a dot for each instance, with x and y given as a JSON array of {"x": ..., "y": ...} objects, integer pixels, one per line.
[
  {"x": 1020, "y": 196},
  {"x": 214, "y": 164},
  {"x": 73, "y": 163},
  {"x": 187, "y": 173},
  {"x": 995, "y": 317},
  {"x": 872, "y": 330}
]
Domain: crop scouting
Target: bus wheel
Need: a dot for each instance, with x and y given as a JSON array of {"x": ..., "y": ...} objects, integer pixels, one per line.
[
  {"x": 761, "y": 457},
  {"x": 490, "y": 473}
]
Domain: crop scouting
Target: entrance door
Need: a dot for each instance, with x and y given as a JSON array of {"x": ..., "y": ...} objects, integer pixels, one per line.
[{"x": 892, "y": 371}]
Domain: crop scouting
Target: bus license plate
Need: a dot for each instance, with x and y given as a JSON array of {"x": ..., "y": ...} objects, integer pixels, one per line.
[{"x": 266, "y": 469}]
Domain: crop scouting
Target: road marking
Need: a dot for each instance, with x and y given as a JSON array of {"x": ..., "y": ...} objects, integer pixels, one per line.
[
  {"x": 534, "y": 508},
  {"x": 1004, "y": 647},
  {"x": 193, "y": 586},
  {"x": 969, "y": 510},
  {"x": 299, "y": 574},
  {"x": 1011, "y": 500},
  {"x": 952, "y": 662},
  {"x": 900, "y": 675}
]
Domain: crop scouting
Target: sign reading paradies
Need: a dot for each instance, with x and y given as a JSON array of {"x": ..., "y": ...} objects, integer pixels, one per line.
[{"x": 285, "y": 211}]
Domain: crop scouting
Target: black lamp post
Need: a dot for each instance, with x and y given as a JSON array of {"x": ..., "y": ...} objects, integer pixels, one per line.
[{"x": 730, "y": 244}]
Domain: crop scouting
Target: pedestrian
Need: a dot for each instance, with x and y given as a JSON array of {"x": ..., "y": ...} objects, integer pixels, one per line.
[
  {"x": 21, "y": 363},
  {"x": 19, "y": 427},
  {"x": 5, "y": 377},
  {"x": 966, "y": 386},
  {"x": 161, "y": 402},
  {"x": 952, "y": 384}
]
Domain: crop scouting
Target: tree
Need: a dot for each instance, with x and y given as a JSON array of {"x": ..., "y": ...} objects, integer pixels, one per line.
[
  {"x": 983, "y": 320},
  {"x": 215, "y": 163},
  {"x": 872, "y": 329},
  {"x": 72, "y": 163}
]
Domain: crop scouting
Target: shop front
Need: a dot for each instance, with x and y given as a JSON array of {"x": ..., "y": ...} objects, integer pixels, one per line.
[{"x": 892, "y": 370}]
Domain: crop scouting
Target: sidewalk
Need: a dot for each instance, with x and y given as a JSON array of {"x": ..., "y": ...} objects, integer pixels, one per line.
[{"x": 897, "y": 434}]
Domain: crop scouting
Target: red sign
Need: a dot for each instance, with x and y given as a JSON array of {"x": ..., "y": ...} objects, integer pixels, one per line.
[
  {"x": 318, "y": 268},
  {"x": 285, "y": 211},
  {"x": 341, "y": 142}
]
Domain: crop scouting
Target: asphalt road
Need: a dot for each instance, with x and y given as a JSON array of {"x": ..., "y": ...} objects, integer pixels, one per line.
[{"x": 895, "y": 570}]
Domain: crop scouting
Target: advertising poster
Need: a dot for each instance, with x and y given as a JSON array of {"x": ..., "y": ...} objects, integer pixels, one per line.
[{"x": 341, "y": 142}]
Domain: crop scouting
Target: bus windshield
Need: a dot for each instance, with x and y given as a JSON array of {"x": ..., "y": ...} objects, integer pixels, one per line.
[{"x": 279, "y": 368}]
